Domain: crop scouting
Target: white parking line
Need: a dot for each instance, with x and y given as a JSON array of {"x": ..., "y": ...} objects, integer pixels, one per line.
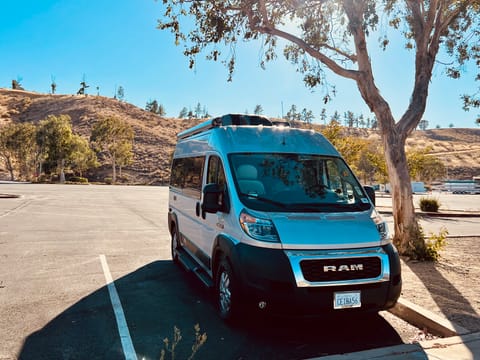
[{"x": 127, "y": 345}]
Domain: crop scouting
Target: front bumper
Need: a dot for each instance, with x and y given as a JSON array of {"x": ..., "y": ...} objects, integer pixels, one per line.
[{"x": 276, "y": 279}]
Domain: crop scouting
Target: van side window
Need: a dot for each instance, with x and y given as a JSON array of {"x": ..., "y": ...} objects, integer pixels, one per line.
[
  {"x": 187, "y": 174},
  {"x": 216, "y": 175}
]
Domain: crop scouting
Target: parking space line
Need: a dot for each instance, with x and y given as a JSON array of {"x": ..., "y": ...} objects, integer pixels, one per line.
[{"x": 127, "y": 345}]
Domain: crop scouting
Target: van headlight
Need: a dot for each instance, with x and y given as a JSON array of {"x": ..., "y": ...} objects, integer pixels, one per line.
[
  {"x": 382, "y": 227},
  {"x": 258, "y": 228}
]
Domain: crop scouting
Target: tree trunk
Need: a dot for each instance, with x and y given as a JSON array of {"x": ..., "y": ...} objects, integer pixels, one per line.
[
  {"x": 62, "y": 171},
  {"x": 10, "y": 168},
  {"x": 40, "y": 169},
  {"x": 408, "y": 237},
  {"x": 114, "y": 170}
]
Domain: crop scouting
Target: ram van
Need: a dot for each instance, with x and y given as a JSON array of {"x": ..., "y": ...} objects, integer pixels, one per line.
[{"x": 272, "y": 219}]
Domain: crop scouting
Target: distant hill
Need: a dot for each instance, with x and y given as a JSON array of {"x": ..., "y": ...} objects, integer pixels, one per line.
[{"x": 155, "y": 136}]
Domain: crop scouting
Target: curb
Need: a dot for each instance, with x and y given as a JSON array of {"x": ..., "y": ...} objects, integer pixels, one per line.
[
  {"x": 424, "y": 319},
  {"x": 450, "y": 214},
  {"x": 396, "y": 352},
  {"x": 457, "y": 347},
  {"x": 433, "y": 214},
  {"x": 451, "y": 334},
  {"x": 8, "y": 196}
]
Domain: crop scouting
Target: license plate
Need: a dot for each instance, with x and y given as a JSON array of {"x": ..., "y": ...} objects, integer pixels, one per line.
[{"x": 347, "y": 299}]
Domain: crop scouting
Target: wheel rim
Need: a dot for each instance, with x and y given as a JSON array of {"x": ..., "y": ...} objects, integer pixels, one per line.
[{"x": 225, "y": 295}]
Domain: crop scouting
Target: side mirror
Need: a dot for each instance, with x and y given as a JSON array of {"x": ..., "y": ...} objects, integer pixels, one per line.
[
  {"x": 370, "y": 192},
  {"x": 212, "y": 196}
]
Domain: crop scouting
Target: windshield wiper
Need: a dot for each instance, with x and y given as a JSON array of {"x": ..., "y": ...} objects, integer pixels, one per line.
[{"x": 264, "y": 199}]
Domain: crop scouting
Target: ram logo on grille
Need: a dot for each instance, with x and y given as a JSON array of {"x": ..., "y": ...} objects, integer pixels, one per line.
[
  {"x": 341, "y": 269},
  {"x": 351, "y": 267}
]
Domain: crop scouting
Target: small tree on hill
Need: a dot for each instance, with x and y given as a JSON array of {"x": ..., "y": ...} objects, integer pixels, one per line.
[
  {"x": 83, "y": 86},
  {"x": 161, "y": 110},
  {"x": 113, "y": 137},
  {"x": 53, "y": 84},
  {"x": 17, "y": 147},
  {"x": 292, "y": 113},
  {"x": 120, "y": 93},
  {"x": 183, "y": 113},
  {"x": 82, "y": 157},
  {"x": 198, "y": 111},
  {"x": 16, "y": 84},
  {"x": 307, "y": 116},
  {"x": 152, "y": 106},
  {"x": 258, "y": 110},
  {"x": 423, "y": 124},
  {"x": 55, "y": 141}
]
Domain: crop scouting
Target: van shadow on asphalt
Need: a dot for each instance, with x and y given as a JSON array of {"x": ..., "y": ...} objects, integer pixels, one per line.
[{"x": 160, "y": 295}]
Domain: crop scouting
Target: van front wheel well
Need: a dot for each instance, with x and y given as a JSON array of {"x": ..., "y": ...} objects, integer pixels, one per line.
[{"x": 227, "y": 291}]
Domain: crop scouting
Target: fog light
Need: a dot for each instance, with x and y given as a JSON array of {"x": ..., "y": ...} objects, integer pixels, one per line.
[{"x": 262, "y": 305}]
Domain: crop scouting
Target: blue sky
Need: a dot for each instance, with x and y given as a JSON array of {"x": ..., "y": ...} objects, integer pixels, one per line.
[{"x": 116, "y": 43}]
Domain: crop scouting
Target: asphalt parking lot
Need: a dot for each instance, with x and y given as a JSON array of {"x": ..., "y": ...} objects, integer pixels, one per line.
[{"x": 85, "y": 272}]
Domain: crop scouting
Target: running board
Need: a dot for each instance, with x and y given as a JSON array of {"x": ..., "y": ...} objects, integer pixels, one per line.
[{"x": 190, "y": 265}]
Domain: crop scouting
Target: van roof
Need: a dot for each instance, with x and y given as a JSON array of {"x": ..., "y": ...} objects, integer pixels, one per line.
[{"x": 242, "y": 138}]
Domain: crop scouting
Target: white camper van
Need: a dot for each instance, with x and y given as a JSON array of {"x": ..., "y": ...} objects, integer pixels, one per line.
[{"x": 272, "y": 218}]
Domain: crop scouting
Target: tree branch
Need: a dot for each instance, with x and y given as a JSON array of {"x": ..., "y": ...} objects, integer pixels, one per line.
[
  {"x": 327, "y": 61},
  {"x": 267, "y": 27},
  {"x": 427, "y": 47}
]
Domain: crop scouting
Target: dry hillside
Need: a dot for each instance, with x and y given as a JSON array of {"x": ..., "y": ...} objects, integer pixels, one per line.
[{"x": 155, "y": 136}]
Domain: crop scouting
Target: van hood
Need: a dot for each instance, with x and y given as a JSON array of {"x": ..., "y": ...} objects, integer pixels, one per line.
[{"x": 326, "y": 231}]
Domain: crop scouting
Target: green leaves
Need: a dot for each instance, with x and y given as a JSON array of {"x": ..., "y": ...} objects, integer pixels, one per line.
[
  {"x": 17, "y": 148},
  {"x": 113, "y": 138}
]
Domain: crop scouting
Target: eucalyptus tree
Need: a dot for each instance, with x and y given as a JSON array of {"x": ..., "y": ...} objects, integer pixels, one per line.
[
  {"x": 424, "y": 166},
  {"x": 17, "y": 148},
  {"x": 113, "y": 137},
  {"x": 7, "y": 148},
  {"x": 82, "y": 156},
  {"x": 54, "y": 138},
  {"x": 338, "y": 35}
]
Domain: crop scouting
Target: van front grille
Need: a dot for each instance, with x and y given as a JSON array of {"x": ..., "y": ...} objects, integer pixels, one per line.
[{"x": 341, "y": 269}]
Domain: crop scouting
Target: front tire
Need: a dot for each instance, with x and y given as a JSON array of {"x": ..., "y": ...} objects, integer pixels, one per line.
[
  {"x": 227, "y": 292},
  {"x": 174, "y": 245}
]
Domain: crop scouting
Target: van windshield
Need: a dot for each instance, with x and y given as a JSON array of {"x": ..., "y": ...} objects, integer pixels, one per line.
[{"x": 296, "y": 183}]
